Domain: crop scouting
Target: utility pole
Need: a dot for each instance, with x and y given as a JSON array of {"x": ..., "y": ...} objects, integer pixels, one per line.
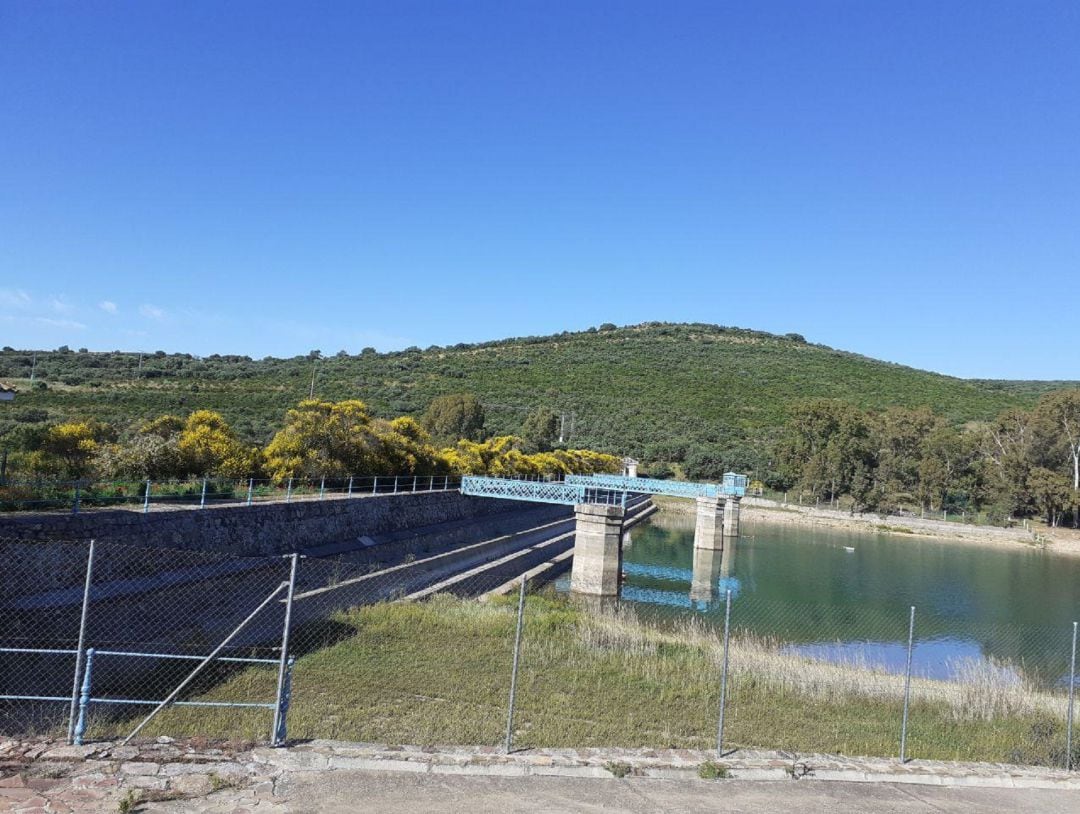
[
  {"x": 562, "y": 428},
  {"x": 314, "y": 366},
  {"x": 33, "y": 369}
]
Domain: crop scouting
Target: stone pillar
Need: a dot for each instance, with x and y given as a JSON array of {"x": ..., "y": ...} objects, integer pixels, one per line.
[
  {"x": 731, "y": 516},
  {"x": 597, "y": 567},
  {"x": 709, "y": 525},
  {"x": 706, "y": 575}
]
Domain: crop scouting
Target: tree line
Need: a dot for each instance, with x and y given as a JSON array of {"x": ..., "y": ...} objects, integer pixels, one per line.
[
  {"x": 318, "y": 439},
  {"x": 1023, "y": 463}
]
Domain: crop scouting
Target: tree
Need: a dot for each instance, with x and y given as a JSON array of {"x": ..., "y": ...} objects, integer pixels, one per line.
[
  {"x": 146, "y": 455},
  {"x": 324, "y": 438},
  {"x": 1058, "y": 417},
  {"x": 540, "y": 430},
  {"x": 454, "y": 417},
  {"x": 208, "y": 446},
  {"x": 899, "y": 435},
  {"x": 705, "y": 463},
  {"x": 74, "y": 445},
  {"x": 1007, "y": 446},
  {"x": 824, "y": 444},
  {"x": 164, "y": 426},
  {"x": 947, "y": 468},
  {"x": 1051, "y": 492},
  {"x": 503, "y": 456},
  {"x": 407, "y": 448}
]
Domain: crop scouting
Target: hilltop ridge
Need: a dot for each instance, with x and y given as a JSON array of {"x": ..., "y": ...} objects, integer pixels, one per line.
[{"x": 642, "y": 389}]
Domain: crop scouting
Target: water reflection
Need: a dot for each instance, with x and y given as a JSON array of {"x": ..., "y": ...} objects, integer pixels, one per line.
[
  {"x": 802, "y": 587},
  {"x": 942, "y": 658},
  {"x": 706, "y": 575}
]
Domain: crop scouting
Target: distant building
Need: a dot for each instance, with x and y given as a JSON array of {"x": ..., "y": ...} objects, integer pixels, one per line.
[
  {"x": 6, "y": 393},
  {"x": 629, "y": 467}
]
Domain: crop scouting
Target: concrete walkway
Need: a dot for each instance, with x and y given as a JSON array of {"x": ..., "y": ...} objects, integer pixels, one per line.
[
  {"x": 345, "y": 791},
  {"x": 43, "y": 777}
]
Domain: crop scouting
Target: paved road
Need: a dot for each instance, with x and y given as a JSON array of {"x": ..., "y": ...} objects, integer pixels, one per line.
[{"x": 338, "y": 792}]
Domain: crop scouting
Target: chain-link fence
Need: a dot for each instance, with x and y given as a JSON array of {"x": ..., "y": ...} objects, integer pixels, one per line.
[{"x": 447, "y": 649}]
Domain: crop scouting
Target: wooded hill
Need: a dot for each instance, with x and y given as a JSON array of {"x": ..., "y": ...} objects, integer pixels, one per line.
[{"x": 652, "y": 390}]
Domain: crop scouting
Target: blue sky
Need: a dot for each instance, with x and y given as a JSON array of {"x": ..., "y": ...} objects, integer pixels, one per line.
[{"x": 897, "y": 179}]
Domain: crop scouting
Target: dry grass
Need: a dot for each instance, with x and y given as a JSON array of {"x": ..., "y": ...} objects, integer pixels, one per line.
[
  {"x": 438, "y": 672},
  {"x": 980, "y": 691}
]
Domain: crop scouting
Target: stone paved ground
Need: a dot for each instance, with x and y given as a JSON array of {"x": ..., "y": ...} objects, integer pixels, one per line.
[{"x": 324, "y": 776}]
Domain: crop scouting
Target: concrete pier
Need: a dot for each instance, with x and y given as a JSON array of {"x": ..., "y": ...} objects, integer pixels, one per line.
[
  {"x": 597, "y": 564},
  {"x": 706, "y": 574},
  {"x": 731, "y": 516},
  {"x": 727, "y": 562},
  {"x": 709, "y": 526}
]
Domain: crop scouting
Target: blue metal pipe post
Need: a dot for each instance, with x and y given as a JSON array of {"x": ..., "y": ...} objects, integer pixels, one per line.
[{"x": 84, "y": 699}]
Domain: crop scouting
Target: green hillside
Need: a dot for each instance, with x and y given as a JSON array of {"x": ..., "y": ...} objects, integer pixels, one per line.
[{"x": 639, "y": 390}]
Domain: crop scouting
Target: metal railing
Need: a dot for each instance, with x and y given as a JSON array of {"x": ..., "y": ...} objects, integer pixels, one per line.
[{"x": 149, "y": 495}]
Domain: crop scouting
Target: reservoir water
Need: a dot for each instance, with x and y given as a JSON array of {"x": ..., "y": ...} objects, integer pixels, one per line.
[{"x": 846, "y": 596}]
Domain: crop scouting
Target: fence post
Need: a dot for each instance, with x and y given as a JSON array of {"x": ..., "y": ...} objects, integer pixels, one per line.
[
  {"x": 281, "y": 712},
  {"x": 907, "y": 686},
  {"x": 75, "y": 500},
  {"x": 84, "y": 699},
  {"x": 288, "y": 491},
  {"x": 414, "y": 477},
  {"x": 202, "y": 498},
  {"x": 1072, "y": 695},
  {"x": 375, "y": 485},
  {"x": 146, "y": 499},
  {"x": 350, "y": 485},
  {"x": 251, "y": 490},
  {"x": 723, "y": 674},
  {"x": 277, "y": 733},
  {"x": 395, "y": 484},
  {"x": 514, "y": 671},
  {"x": 82, "y": 642}
]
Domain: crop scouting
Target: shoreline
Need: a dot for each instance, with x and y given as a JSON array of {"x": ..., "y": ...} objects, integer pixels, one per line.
[{"x": 1055, "y": 541}]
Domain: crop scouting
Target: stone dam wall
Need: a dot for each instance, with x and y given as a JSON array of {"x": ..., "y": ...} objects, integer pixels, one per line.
[{"x": 263, "y": 529}]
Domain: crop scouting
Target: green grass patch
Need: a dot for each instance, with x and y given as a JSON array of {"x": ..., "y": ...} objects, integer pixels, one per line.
[{"x": 439, "y": 673}]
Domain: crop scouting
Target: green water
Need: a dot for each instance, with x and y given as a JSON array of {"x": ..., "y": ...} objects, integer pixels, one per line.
[{"x": 803, "y": 587}]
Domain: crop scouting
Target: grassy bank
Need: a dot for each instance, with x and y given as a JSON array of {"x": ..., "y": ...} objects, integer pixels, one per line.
[{"x": 439, "y": 672}]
